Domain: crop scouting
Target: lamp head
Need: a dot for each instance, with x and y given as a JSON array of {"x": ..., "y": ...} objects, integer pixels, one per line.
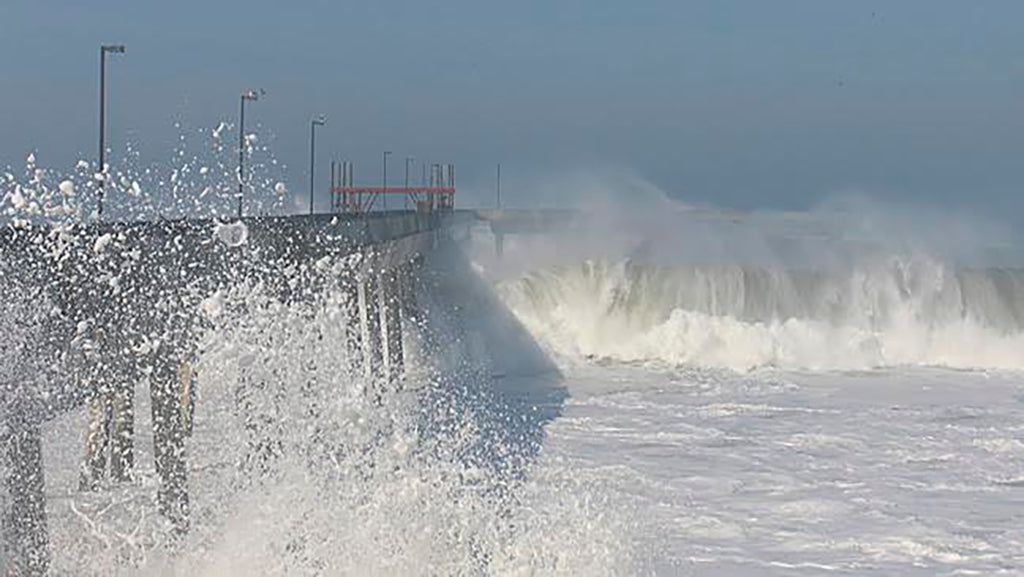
[{"x": 119, "y": 48}]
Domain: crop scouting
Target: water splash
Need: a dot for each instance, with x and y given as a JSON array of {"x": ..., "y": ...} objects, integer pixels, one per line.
[{"x": 301, "y": 463}]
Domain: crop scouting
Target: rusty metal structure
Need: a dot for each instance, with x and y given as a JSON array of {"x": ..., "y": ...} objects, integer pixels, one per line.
[{"x": 435, "y": 195}]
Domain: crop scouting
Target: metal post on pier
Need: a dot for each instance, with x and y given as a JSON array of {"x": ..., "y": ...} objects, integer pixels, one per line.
[
  {"x": 408, "y": 159},
  {"x": 385, "y": 184},
  {"x": 102, "y": 170},
  {"x": 319, "y": 121},
  {"x": 250, "y": 96}
]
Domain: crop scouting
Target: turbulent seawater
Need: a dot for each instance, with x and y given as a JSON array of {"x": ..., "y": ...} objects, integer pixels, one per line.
[{"x": 798, "y": 406}]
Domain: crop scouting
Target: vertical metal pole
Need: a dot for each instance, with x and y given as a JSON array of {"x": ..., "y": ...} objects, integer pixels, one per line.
[
  {"x": 312, "y": 156},
  {"x": 241, "y": 153},
  {"x": 406, "y": 196},
  {"x": 103, "y": 124},
  {"x": 312, "y": 161},
  {"x": 499, "y": 185},
  {"x": 103, "y": 111},
  {"x": 435, "y": 180},
  {"x": 385, "y": 187}
]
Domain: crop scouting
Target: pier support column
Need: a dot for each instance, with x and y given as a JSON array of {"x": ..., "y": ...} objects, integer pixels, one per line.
[
  {"x": 350, "y": 286},
  {"x": 169, "y": 433},
  {"x": 407, "y": 291},
  {"x": 392, "y": 308},
  {"x": 373, "y": 355},
  {"x": 25, "y": 534},
  {"x": 111, "y": 426},
  {"x": 122, "y": 431}
]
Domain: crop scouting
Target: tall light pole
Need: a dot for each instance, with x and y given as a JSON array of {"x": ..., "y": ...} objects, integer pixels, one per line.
[
  {"x": 318, "y": 121},
  {"x": 386, "y": 153},
  {"x": 119, "y": 49},
  {"x": 251, "y": 96},
  {"x": 499, "y": 185},
  {"x": 408, "y": 159}
]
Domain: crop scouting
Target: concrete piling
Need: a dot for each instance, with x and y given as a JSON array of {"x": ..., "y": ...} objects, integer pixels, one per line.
[
  {"x": 370, "y": 305},
  {"x": 110, "y": 432},
  {"x": 391, "y": 307},
  {"x": 26, "y": 538},
  {"x": 122, "y": 433},
  {"x": 351, "y": 288},
  {"x": 169, "y": 432}
]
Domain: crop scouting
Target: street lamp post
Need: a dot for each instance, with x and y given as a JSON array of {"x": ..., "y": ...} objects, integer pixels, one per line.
[
  {"x": 408, "y": 159},
  {"x": 385, "y": 193},
  {"x": 499, "y": 185},
  {"x": 119, "y": 49},
  {"x": 251, "y": 96},
  {"x": 319, "y": 121}
]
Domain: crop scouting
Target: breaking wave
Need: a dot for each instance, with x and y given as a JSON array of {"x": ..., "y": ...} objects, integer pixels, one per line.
[{"x": 886, "y": 311}]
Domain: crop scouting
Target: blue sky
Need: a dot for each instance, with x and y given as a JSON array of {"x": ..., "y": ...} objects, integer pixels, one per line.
[{"x": 743, "y": 104}]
